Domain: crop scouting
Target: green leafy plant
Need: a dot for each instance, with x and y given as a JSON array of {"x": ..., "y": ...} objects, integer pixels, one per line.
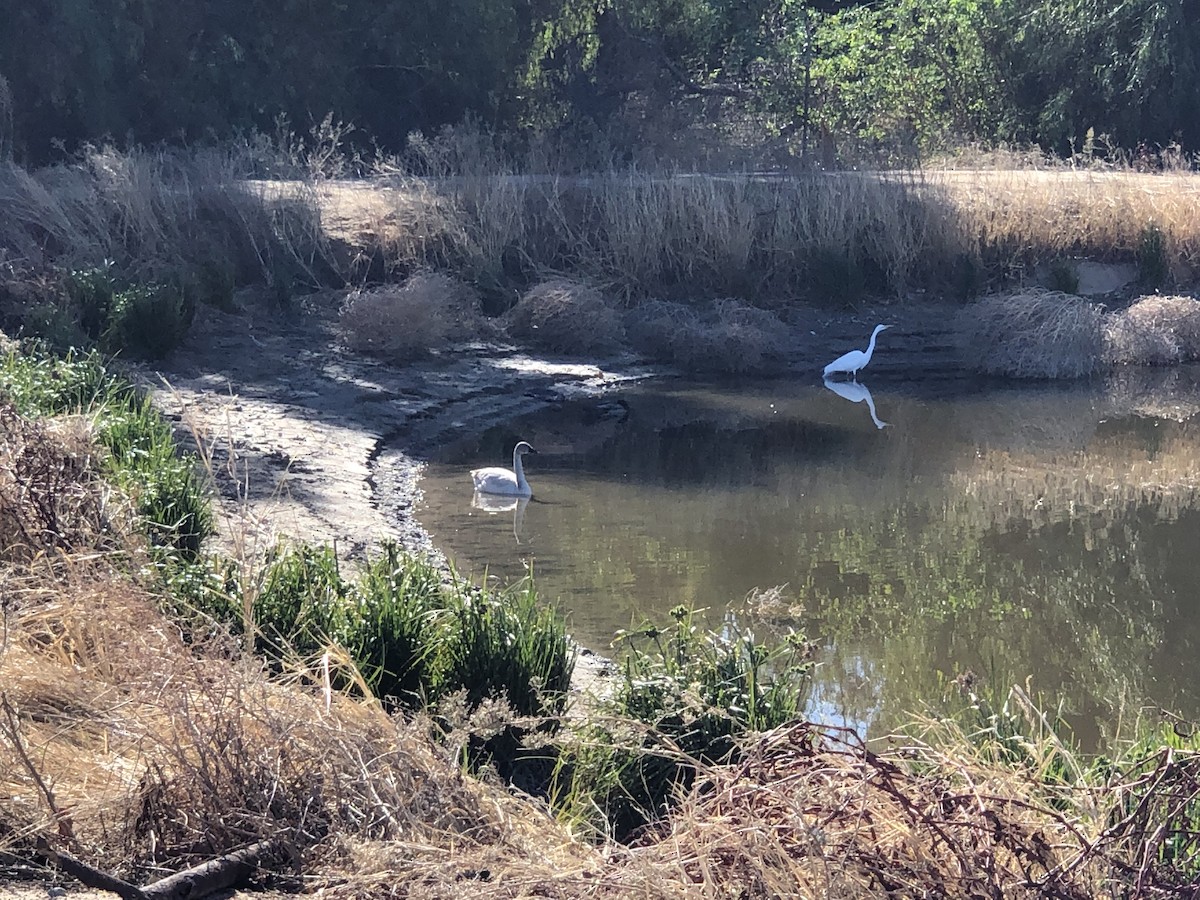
[
  {"x": 149, "y": 321},
  {"x": 686, "y": 698}
]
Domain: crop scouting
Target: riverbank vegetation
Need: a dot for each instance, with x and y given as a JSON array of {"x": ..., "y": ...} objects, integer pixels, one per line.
[
  {"x": 377, "y": 721},
  {"x": 123, "y": 250}
]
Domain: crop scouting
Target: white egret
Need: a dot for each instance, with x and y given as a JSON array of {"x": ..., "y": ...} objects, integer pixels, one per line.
[
  {"x": 856, "y": 359},
  {"x": 856, "y": 393},
  {"x": 510, "y": 482}
]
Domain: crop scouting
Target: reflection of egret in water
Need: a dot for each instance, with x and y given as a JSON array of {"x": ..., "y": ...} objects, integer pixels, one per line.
[
  {"x": 497, "y": 503},
  {"x": 855, "y": 393}
]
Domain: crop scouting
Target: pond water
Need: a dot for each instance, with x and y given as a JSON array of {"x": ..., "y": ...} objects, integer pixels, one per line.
[{"x": 918, "y": 531}]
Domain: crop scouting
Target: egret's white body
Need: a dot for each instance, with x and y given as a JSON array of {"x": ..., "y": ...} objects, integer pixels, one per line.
[
  {"x": 856, "y": 359},
  {"x": 856, "y": 393},
  {"x": 510, "y": 482}
]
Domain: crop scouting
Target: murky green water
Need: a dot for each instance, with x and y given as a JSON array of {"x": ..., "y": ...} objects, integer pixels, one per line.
[{"x": 1049, "y": 533}]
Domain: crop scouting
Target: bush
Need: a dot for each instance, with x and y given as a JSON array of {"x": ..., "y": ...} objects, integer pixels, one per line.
[
  {"x": 1154, "y": 331},
  {"x": 726, "y": 336},
  {"x": 507, "y": 646},
  {"x": 398, "y": 324},
  {"x": 149, "y": 320},
  {"x": 697, "y": 695},
  {"x": 1033, "y": 334},
  {"x": 566, "y": 317}
]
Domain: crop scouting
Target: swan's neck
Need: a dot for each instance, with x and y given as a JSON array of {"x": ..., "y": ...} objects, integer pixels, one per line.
[{"x": 519, "y": 471}]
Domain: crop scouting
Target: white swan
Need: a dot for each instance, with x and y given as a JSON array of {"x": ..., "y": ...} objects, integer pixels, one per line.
[
  {"x": 856, "y": 393},
  {"x": 511, "y": 482},
  {"x": 856, "y": 359}
]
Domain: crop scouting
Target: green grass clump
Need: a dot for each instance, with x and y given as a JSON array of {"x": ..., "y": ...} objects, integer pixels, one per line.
[
  {"x": 507, "y": 646},
  {"x": 142, "y": 459},
  {"x": 149, "y": 321},
  {"x": 686, "y": 698},
  {"x": 414, "y": 637}
]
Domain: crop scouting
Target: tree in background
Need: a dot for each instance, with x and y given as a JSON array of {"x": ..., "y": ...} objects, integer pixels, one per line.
[{"x": 889, "y": 80}]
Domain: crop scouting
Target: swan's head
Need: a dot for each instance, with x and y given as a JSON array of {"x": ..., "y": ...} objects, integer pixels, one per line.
[{"x": 522, "y": 448}]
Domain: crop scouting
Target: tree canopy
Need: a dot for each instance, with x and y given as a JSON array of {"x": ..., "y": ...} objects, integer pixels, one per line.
[{"x": 889, "y": 78}]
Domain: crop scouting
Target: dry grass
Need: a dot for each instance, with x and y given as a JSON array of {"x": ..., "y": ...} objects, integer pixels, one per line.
[
  {"x": 157, "y": 212},
  {"x": 401, "y": 323},
  {"x": 1034, "y": 334},
  {"x": 128, "y": 747},
  {"x": 726, "y": 336},
  {"x": 566, "y": 316},
  {"x": 1154, "y": 331},
  {"x": 1015, "y": 219},
  {"x": 51, "y": 495}
]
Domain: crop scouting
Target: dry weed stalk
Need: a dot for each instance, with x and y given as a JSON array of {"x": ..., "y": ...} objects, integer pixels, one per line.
[{"x": 51, "y": 496}]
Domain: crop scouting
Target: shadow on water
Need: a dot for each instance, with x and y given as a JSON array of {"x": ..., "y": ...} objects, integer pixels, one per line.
[{"x": 1046, "y": 531}]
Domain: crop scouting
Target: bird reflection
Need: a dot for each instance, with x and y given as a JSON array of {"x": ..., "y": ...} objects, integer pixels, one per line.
[
  {"x": 855, "y": 393},
  {"x": 498, "y": 503}
]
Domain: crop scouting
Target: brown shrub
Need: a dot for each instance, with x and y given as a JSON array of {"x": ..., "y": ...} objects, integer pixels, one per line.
[
  {"x": 567, "y": 317},
  {"x": 397, "y": 324},
  {"x": 1154, "y": 331},
  {"x": 1033, "y": 333},
  {"x": 726, "y": 336},
  {"x": 51, "y": 498}
]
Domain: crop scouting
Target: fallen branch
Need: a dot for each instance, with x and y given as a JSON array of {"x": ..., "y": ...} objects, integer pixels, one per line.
[{"x": 191, "y": 884}]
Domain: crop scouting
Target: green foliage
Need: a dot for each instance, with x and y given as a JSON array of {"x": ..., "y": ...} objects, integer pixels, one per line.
[
  {"x": 697, "y": 695},
  {"x": 399, "y": 601},
  {"x": 1063, "y": 276},
  {"x": 91, "y": 292},
  {"x": 149, "y": 320},
  {"x": 414, "y": 638},
  {"x": 508, "y": 646},
  {"x": 142, "y": 458}
]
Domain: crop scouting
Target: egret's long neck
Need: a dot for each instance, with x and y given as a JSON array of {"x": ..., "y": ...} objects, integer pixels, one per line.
[
  {"x": 871, "y": 346},
  {"x": 519, "y": 471}
]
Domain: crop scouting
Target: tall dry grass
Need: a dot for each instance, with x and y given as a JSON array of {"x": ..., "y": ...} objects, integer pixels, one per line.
[
  {"x": 826, "y": 237},
  {"x": 155, "y": 211}
]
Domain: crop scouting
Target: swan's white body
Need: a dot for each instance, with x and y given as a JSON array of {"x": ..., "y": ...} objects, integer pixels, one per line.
[
  {"x": 856, "y": 393},
  {"x": 509, "y": 482},
  {"x": 856, "y": 359}
]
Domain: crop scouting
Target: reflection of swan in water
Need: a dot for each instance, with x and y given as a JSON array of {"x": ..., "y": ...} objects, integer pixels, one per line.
[
  {"x": 508, "y": 482},
  {"x": 495, "y": 503},
  {"x": 855, "y": 393}
]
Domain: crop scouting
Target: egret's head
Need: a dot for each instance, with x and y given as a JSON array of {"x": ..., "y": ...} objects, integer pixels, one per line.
[{"x": 522, "y": 448}]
